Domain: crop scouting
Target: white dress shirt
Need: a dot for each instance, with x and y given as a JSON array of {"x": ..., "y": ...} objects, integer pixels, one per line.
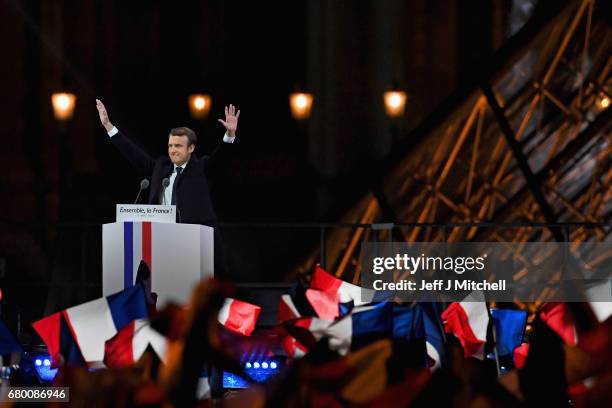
[{"x": 167, "y": 194}]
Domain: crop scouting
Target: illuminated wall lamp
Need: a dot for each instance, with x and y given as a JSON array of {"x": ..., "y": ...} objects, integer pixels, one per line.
[
  {"x": 603, "y": 102},
  {"x": 395, "y": 103},
  {"x": 301, "y": 105},
  {"x": 63, "y": 105},
  {"x": 199, "y": 106}
]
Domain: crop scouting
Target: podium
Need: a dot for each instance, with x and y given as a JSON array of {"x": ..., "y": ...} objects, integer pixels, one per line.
[{"x": 178, "y": 255}]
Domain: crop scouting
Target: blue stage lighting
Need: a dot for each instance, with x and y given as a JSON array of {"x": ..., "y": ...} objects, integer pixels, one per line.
[
  {"x": 42, "y": 364},
  {"x": 233, "y": 381},
  {"x": 260, "y": 371}
]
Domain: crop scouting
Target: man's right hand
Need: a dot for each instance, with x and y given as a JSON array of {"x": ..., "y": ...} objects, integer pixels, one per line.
[{"x": 104, "y": 116}]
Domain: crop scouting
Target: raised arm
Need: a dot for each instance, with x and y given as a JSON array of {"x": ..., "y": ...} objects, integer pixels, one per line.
[
  {"x": 104, "y": 119},
  {"x": 231, "y": 125},
  {"x": 137, "y": 157},
  {"x": 231, "y": 120}
]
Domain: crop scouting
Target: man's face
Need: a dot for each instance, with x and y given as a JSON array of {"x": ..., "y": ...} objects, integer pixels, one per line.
[{"x": 179, "y": 149}]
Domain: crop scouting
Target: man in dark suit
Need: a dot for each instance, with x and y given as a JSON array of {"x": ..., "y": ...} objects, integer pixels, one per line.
[{"x": 188, "y": 187}]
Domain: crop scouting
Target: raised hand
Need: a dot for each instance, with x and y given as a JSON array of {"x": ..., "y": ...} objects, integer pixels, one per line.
[
  {"x": 103, "y": 116},
  {"x": 231, "y": 120}
]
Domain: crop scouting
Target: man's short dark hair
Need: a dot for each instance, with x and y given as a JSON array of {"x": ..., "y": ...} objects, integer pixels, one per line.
[{"x": 185, "y": 131}]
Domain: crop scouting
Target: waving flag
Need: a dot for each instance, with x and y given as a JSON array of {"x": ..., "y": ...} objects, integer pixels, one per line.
[
  {"x": 364, "y": 325},
  {"x": 295, "y": 304},
  {"x": 408, "y": 322},
  {"x": 90, "y": 325},
  {"x": 239, "y": 316},
  {"x": 602, "y": 310},
  {"x": 342, "y": 291},
  {"x": 509, "y": 329},
  {"x": 325, "y": 304},
  {"x": 520, "y": 355},
  {"x": 559, "y": 319},
  {"x": 468, "y": 321},
  {"x": 304, "y": 333},
  {"x": 295, "y": 310},
  {"x": 130, "y": 343},
  {"x": 287, "y": 309},
  {"x": 435, "y": 339},
  {"x": 421, "y": 321},
  {"x": 369, "y": 323},
  {"x": 327, "y": 298},
  {"x": 557, "y": 316}
]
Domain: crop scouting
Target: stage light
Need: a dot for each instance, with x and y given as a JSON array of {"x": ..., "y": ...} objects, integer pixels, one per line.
[
  {"x": 260, "y": 371},
  {"x": 231, "y": 380},
  {"x": 395, "y": 103},
  {"x": 301, "y": 105},
  {"x": 199, "y": 105},
  {"x": 42, "y": 364},
  {"x": 63, "y": 105}
]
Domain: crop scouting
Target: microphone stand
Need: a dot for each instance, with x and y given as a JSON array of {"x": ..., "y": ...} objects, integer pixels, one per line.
[{"x": 144, "y": 184}]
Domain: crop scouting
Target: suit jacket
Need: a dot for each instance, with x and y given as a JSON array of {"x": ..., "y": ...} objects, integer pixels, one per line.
[{"x": 193, "y": 194}]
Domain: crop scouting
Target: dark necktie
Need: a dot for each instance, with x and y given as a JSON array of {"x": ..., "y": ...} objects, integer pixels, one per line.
[{"x": 176, "y": 179}]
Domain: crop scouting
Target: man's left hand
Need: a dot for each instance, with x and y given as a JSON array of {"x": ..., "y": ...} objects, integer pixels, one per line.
[{"x": 231, "y": 120}]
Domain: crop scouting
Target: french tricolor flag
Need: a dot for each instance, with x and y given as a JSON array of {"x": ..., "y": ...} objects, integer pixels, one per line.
[
  {"x": 341, "y": 291},
  {"x": 238, "y": 316},
  {"x": 289, "y": 313},
  {"x": 130, "y": 343},
  {"x": 295, "y": 304},
  {"x": 294, "y": 347},
  {"x": 558, "y": 317},
  {"x": 325, "y": 304},
  {"x": 91, "y": 324},
  {"x": 287, "y": 309},
  {"x": 468, "y": 321},
  {"x": 362, "y": 326}
]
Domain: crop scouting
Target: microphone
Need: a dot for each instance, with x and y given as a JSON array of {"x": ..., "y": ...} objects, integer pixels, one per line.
[
  {"x": 165, "y": 184},
  {"x": 144, "y": 184}
]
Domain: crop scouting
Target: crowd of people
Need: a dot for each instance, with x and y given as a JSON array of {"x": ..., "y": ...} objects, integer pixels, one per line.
[{"x": 380, "y": 354}]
